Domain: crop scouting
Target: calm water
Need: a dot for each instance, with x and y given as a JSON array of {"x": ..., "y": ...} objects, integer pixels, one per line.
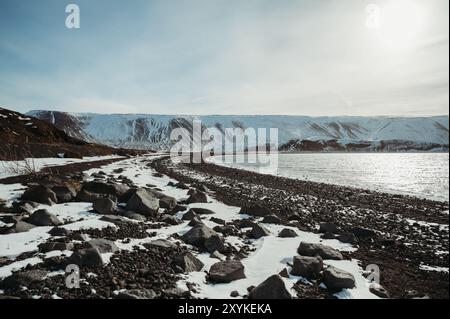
[{"x": 424, "y": 175}]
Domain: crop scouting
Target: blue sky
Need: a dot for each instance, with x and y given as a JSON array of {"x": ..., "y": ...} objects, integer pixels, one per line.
[{"x": 299, "y": 57}]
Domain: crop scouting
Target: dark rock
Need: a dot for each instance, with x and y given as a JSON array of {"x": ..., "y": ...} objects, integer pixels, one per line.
[
  {"x": 378, "y": 290},
  {"x": 259, "y": 231},
  {"x": 23, "y": 279},
  {"x": 348, "y": 238},
  {"x": 308, "y": 267},
  {"x": 336, "y": 279},
  {"x": 105, "y": 206},
  {"x": 234, "y": 294},
  {"x": 116, "y": 190},
  {"x": 312, "y": 250},
  {"x": 116, "y": 219},
  {"x": 272, "y": 288},
  {"x": 328, "y": 235},
  {"x": 168, "y": 202},
  {"x": 227, "y": 230},
  {"x": 86, "y": 257},
  {"x": 197, "y": 197},
  {"x": 51, "y": 246},
  {"x": 197, "y": 236},
  {"x": 137, "y": 294},
  {"x": 226, "y": 271},
  {"x": 43, "y": 217},
  {"x": 143, "y": 202},
  {"x": 59, "y": 231},
  {"x": 287, "y": 233},
  {"x": 196, "y": 221},
  {"x": 284, "y": 273},
  {"x": 256, "y": 210},
  {"x": 21, "y": 227},
  {"x": 189, "y": 215},
  {"x": 64, "y": 194},
  {"x": 202, "y": 211},
  {"x": 328, "y": 228},
  {"x": 181, "y": 186},
  {"x": 217, "y": 220},
  {"x": 363, "y": 233},
  {"x": 40, "y": 194},
  {"x": 272, "y": 219},
  {"x": 160, "y": 243},
  {"x": 169, "y": 219},
  {"x": 214, "y": 243},
  {"x": 134, "y": 216},
  {"x": 88, "y": 197},
  {"x": 103, "y": 245},
  {"x": 188, "y": 262}
]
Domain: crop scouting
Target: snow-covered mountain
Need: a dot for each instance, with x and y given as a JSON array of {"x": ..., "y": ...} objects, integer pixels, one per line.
[{"x": 145, "y": 131}]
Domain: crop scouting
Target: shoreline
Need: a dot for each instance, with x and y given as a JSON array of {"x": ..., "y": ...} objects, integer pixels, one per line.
[{"x": 402, "y": 225}]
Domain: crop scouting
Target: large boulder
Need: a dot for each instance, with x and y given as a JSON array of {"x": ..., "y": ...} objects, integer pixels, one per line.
[
  {"x": 23, "y": 279},
  {"x": 88, "y": 197},
  {"x": 105, "y": 206},
  {"x": 117, "y": 190},
  {"x": 198, "y": 235},
  {"x": 86, "y": 257},
  {"x": 256, "y": 210},
  {"x": 160, "y": 243},
  {"x": 226, "y": 271},
  {"x": 103, "y": 245},
  {"x": 144, "y": 203},
  {"x": 52, "y": 246},
  {"x": 336, "y": 279},
  {"x": 168, "y": 202},
  {"x": 272, "y": 219},
  {"x": 348, "y": 238},
  {"x": 21, "y": 227},
  {"x": 59, "y": 231},
  {"x": 197, "y": 197},
  {"x": 43, "y": 217},
  {"x": 363, "y": 233},
  {"x": 378, "y": 290},
  {"x": 272, "y": 288},
  {"x": 326, "y": 252},
  {"x": 328, "y": 228},
  {"x": 64, "y": 193},
  {"x": 214, "y": 243},
  {"x": 40, "y": 194},
  {"x": 308, "y": 267},
  {"x": 287, "y": 233},
  {"x": 188, "y": 262},
  {"x": 259, "y": 231}
]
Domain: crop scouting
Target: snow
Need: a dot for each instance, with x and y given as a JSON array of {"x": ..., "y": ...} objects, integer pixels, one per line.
[{"x": 433, "y": 268}]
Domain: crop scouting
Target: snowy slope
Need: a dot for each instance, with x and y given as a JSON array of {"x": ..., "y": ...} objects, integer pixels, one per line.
[{"x": 153, "y": 131}]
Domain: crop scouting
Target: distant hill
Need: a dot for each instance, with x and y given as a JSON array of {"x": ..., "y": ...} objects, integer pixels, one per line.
[
  {"x": 23, "y": 136},
  {"x": 296, "y": 133}
]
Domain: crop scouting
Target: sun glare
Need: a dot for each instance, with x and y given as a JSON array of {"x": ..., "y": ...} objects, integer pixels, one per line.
[{"x": 401, "y": 22}]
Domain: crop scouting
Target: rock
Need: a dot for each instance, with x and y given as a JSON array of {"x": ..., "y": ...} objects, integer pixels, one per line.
[
  {"x": 115, "y": 219},
  {"x": 169, "y": 219},
  {"x": 217, "y": 220},
  {"x": 105, "y": 206},
  {"x": 336, "y": 279},
  {"x": 116, "y": 190},
  {"x": 214, "y": 243},
  {"x": 196, "y": 221},
  {"x": 259, "y": 231},
  {"x": 202, "y": 211},
  {"x": 328, "y": 235},
  {"x": 312, "y": 250},
  {"x": 189, "y": 215},
  {"x": 24, "y": 206},
  {"x": 226, "y": 271},
  {"x": 308, "y": 267},
  {"x": 188, "y": 262},
  {"x": 244, "y": 223},
  {"x": 234, "y": 294},
  {"x": 287, "y": 233},
  {"x": 59, "y": 231},
  {"x": 88, "y": 197},
  {"x": 197, "y": 197},
  {"x": 143, "y": 202},
  {"x": 363, "y": 233},
  {"x": 227, "y": 230},
  {"x": 255, "y": 210},
  {"x": 197, "y": 236},
  {"x": 137, "y": 294},
  {"x": 378, "y": 290},
  {"x": 134, "y": 216},
  {"x": 64, "y": 194},
  {"x": 52, "y": 246},
  {"x": 160, "y": 243},
  {"x": 178, "y": 208},
  {"x": 272, "y": 288},
  {"x": 86, "y": 257},
  {"x": 177, "y": 293},
  {"x": 181, "y": 186},
  {"x": 23, "y": 279},
  {"x": 328, "y": 228},
  {"x": 284, "y": 273},
  {"x": 271, "y": 219},
  {"x": 40, "y": 194},
  {"x": 103, "y": 245},
  {"x": 348, "y": 238},
  {"x": 21, "y": 227},
  {"x": 43, "y": 217},
  {"x": 168, "y": 202}
]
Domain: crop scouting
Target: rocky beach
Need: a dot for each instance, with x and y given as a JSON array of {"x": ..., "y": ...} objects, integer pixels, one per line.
[{"x": 143, "y": 227}]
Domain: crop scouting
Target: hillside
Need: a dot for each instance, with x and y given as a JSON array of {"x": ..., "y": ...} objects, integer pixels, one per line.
[
  {"x": 296, "y": 133},
  {"x": 24, "y": 136}
]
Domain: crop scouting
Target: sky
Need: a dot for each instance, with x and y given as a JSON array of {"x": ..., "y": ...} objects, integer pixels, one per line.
[{"x": 291, "y": 57}]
